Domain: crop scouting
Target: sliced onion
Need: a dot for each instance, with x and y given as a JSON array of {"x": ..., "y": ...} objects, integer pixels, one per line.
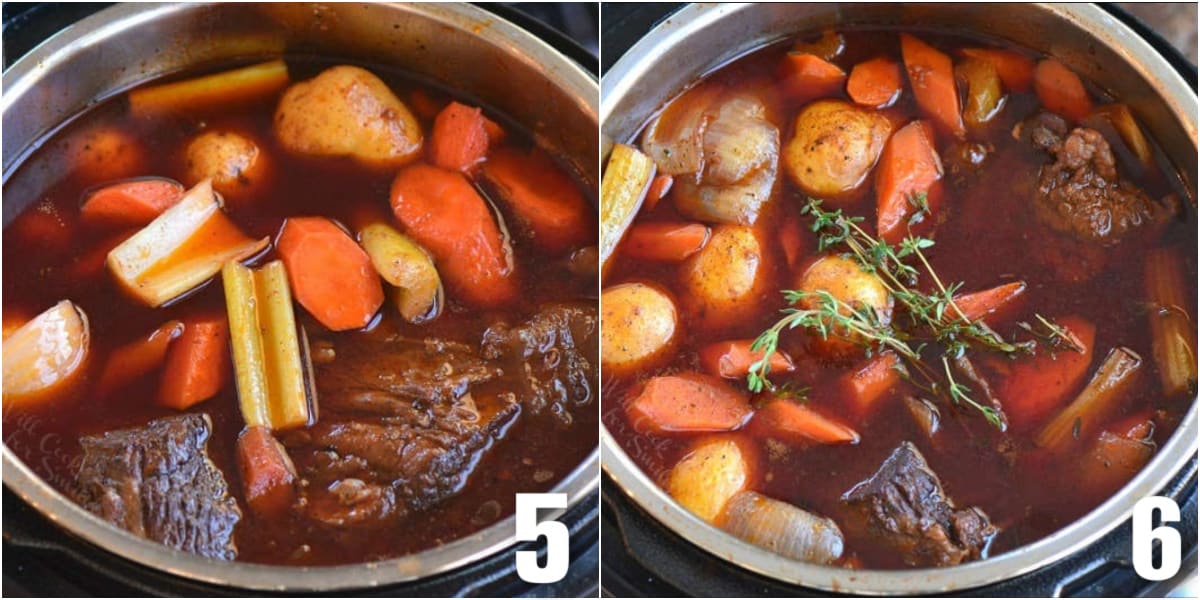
[
  {"x": 45, "y": 352},
  {"x": 737, "y": 204},
  {"x": 674, "y": 139},
  {"x": 782, "y": 528},
  {"x": 738, "y": 141}
]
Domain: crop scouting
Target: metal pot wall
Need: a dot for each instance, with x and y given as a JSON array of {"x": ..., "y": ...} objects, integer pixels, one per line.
[
  {"x": 459, "y": 46},
  {"x": 700, "y": 38}
]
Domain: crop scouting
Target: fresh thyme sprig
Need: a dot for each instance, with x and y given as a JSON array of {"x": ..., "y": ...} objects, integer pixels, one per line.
[
  {"x": 1052, "y": 335},
  {"x": 862, "y": 325},
  {"x": 935, "y": 312}
]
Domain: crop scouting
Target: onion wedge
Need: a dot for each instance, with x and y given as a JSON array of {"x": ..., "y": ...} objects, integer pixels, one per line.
[{"x": 45, "y": 353}]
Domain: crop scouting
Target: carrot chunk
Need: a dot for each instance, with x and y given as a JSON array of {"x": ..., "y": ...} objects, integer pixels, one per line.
[
  {"x": 495, "y": 132},
  {"x": 1038, "y": 385},
  {"x": 444, "y": 213},
  {"x": 807, "y": 76},
  {"x": 659, "y": 186},
  {"x": 1119, "y": 452},
  {"x": 331, "y": 276},
  {"x": 545, "y": 201},
  {"x": 131, "y": 203},
  {"x": 1015, "y": 70},
  {"x": 867, "y": 385},
  {"x": 931, "y": 76},
  {"x": 90, "y": 264},
  {"x": 198, "y": 364},
  {"x": 460, "y": 139},
  {"x": 875, "y": 83},
  {"x": 137, "y": 358},
  {"x": 990, "y": 305},
  {"x": 734, "y": 358},
  {"x": 268, "y": 474},
  {"x": 1061, "y": 91},
  {"x": 689, "y": 402},
  {"x": 908, "y": 168},
  {"x": 786, "y": 418},
  {"x": 670, "y": 242}
]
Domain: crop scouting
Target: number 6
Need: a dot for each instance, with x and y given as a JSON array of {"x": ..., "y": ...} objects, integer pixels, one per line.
[
  {"x": 557, "y": 539},
  {"x": 1144, "y": 534}
]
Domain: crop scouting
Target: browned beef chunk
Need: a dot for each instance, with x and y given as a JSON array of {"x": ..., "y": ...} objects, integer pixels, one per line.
[
  {"x": 904, "y": 506},
  {"x": 414, "y": 369},
  {"x": 554, "y": 355},
  {"x": 1081, "y": 194},
  {"x": 400, "y": 429},
  {"x": 157, "y": 482}
]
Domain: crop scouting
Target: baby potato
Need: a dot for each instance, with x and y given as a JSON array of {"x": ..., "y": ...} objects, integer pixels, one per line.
[
  {"x": 347, "y": 111},
  {"x": 834, "y": 146},
  {"x": 715, "y": 471},
  {"x": 105, "y": 152},
  {"x": 846, "y": 281},
  {"x": 726, "y": 279},
  {"x": 233, "y": 162},
  {"x": 406, "y": 265},
  {"x": 638, "y": 325}
]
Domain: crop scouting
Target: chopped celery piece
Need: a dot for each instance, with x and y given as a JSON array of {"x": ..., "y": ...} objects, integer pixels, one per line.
[
  {"x": 274, "y": 383},
  {"x": 626, "y": 179},
  {"x": 182, "y": 248},
  {"x": 210, "y": 91},
  {"x": 1173, "y": 334},
  {"x": 1096, "y": 403}
]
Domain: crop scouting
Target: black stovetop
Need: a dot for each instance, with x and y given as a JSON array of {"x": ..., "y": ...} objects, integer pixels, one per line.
[
  {"x": 42, "y": 560},
  {"x": 641, "y": 557}
]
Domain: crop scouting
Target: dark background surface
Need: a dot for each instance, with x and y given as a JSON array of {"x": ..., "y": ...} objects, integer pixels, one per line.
[
  {"x": 640, "y": 557},
  {"x": 42, "y": 560}
]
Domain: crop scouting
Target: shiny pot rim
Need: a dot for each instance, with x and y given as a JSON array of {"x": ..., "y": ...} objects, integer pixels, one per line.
[
  {"x": 628, "y": 77},
  {"x": 23, "y": 77}
]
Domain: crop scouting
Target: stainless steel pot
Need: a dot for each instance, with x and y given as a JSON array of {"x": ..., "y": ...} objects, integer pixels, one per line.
[
  {"x": 461, "y": 46},
  {"x": 700, "y": 38}
]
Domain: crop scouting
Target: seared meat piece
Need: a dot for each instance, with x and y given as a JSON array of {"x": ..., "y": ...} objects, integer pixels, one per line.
[
  {"x": 903, "y": 505},
  {"x": 1081, "y": 194},
  {"x": 555, "y": 350},
  {"x": 428, "y": 369},
  {"x": 401, "y": 429},
  {"x": 157, "y": 482},
  {"x": 372, "y": 469}
]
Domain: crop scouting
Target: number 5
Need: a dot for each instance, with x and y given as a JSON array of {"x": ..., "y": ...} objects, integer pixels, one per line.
[
  {"x": 557, "y": 536},
  {"x": 1144, "y": 535}
]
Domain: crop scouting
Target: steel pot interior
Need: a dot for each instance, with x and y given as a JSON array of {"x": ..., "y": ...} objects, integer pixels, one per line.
[
  {"x": 459, "y": 46},
  {"x": 700, "y": 38}
]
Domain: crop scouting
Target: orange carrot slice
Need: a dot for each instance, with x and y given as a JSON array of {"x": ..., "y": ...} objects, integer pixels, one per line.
[
  {"x": 443, "y": 212},
  {"x": 331, "y": 276},
  {"x": 689, "y": 402},
  {"x": 198, "y": 364},
  {"x": 875, "y": 83},
  {"x": 931, "y": 76}
]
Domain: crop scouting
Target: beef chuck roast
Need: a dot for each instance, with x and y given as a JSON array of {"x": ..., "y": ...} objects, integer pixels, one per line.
[
  {"x": 1081, "y": 193},
  {"x": 904, "y": 506},
  {"x": 399, "y": 430},
  {"x": 157, "y": 482},
  {"x": 554, "y": 356}
]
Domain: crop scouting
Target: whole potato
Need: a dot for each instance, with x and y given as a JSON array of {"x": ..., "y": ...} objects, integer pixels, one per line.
[
  {"x": 715, "y": 471},
  {"x": 846, "y": 281},
  {"x": 105, "y": 152},
  {"x": 638, "y": 326},
  {"x": 233, "y": 161},
  {"x": 347, "y": 111},
  {"x": 834, "y": 147},
  {"x": 726, "y": 279}
]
